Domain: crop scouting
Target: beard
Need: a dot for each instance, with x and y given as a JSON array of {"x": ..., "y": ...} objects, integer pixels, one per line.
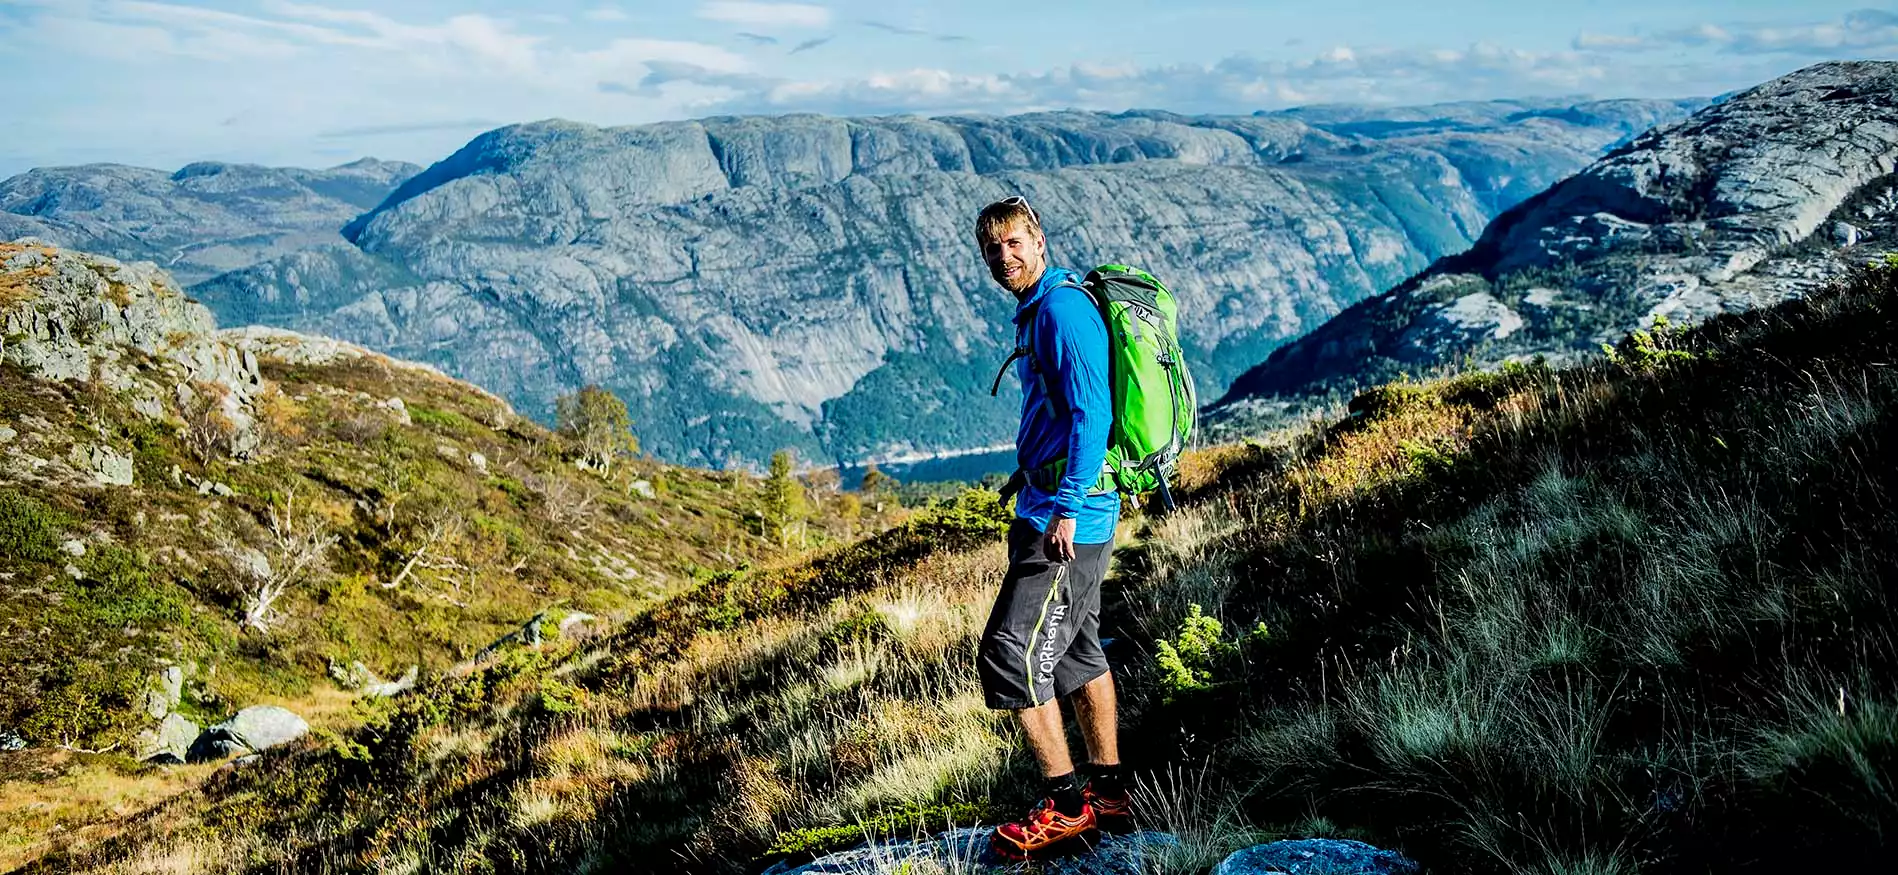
[{"x": 1023, "y": 280}]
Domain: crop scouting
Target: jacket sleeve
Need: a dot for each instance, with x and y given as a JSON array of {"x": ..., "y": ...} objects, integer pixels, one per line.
[{"x": 1072, "y": 339}]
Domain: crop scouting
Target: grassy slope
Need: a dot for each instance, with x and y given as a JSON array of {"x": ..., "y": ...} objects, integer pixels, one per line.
[
  {"x": 1630, "y": 617},
  {"x": 531, "y": 533}
]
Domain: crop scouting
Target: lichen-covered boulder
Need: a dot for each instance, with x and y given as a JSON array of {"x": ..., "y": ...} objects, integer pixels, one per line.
[
  {"x": 1316, "y": 857},
  {"x": 967, "y": 850},
  {"x": 257, "y": 728}
]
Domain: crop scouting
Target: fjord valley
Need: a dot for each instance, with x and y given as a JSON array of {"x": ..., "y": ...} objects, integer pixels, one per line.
[
  {"x": 749, "y": 284},
  {"x": 1586, "y": 613}
]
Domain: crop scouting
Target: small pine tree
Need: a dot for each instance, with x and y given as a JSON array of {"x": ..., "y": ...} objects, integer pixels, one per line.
[
  {"x": 596, "y": 420},
  {"x": 876, "y": 485},
  {"x": 785, "y": 507}
]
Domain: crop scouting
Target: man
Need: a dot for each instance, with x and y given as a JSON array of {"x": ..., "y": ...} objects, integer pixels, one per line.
[{"x": 1042, "y": 642}]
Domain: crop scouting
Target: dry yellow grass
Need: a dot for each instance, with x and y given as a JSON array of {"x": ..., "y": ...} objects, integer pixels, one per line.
[
  {"x": 17, "y": 285},
  {"x": 63, "y": 799}
]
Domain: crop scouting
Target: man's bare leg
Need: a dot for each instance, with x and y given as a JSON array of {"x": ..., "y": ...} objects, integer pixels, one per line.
[
  {"x": 1096, "y": 711},
  {"x": 1042, "y": 725}
]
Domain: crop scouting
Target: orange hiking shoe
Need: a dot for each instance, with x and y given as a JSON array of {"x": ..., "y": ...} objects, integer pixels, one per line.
[
  {"x": 1114, "y": 812},
  {"x": 1043, "y": 828}
]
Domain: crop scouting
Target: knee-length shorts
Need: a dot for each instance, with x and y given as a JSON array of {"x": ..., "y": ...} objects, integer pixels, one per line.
[{"x": 1043, "y": 638}]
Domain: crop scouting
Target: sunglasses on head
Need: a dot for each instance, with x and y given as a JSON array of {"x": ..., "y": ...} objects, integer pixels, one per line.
[{"x": 1019, "y": 201}]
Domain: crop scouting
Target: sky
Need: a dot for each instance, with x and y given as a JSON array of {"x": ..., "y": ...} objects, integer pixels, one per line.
[{"x": 315, "y": 83}]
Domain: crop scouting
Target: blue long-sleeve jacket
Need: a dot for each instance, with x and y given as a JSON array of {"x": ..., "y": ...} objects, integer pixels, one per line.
[{"x": 1068, "y": 344}]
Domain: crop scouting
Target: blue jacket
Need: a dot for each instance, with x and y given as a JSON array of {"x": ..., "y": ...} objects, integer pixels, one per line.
[{"x": 1067, "y": 342}]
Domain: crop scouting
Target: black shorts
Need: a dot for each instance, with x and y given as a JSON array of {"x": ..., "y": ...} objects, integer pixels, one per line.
[{"x": 1043, "y": 639}]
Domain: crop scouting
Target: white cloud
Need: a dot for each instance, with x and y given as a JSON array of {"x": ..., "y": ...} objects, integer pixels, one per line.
[
  {"x": 1860, "y": 33},
  {"x": 1608, "y": 42},
  {"x": 607, "y": 13},
  {"x": 766, "y": 15}
]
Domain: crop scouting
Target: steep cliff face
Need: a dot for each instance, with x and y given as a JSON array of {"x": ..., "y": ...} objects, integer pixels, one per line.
[
  {"x": 203, "y": 220},
  {"x": 751, "y": 283},
  {"x": 1762, "y": 197}
]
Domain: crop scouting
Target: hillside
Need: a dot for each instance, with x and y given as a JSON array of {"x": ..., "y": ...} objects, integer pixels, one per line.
[
  {"x": 754, "y": 283},
  {"x": 1631, "y": 616},
  {"x": 205, "y": 219},
  {"x": 240, "y": 516},
  {"x": 1768, "y": 194}
]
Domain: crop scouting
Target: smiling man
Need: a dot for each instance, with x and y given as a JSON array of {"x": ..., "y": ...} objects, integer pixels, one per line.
[{"x": 1042, "y": 642}]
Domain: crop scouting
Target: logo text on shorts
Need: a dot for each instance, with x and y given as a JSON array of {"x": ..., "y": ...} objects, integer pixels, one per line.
[{"x": 1044, "y": 667}]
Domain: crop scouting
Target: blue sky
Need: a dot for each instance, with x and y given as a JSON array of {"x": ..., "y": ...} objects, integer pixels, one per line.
[{"x": 318, "y": 82}]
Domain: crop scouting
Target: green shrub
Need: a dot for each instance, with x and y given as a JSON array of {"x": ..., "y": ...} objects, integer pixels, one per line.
[
  {"x": 84, "y": 703},
  {"x": 29, "y": 528},
  {"x": 1189, "y": 663}
]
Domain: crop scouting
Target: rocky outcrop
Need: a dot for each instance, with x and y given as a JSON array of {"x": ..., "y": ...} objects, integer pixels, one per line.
[
  {"x": 69, "y": 316},
  {"x": 203, "y": 220},
  {"x": 749, "y": 284},
  {"x": 1762, "y": 197}
]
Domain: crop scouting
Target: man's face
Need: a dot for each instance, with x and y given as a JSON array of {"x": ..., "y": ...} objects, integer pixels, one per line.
[{"x": 1016, "y": 257}]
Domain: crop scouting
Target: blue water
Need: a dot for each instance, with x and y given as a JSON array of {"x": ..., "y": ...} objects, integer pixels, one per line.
[{"x": 968, "y": 469}]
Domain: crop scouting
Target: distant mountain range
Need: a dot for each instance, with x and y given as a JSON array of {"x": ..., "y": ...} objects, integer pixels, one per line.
[
  {"x": 754, "y": 283},
  {"x": 1765, "y": 196},
  {"x": 201, "y": 221}
]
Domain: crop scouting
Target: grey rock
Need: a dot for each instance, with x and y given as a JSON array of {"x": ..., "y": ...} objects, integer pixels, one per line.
[
  {"x": 73, "y": 547},
  {"x": 104, "y": 465},
  {"x": 965, "y": 850},
  {"x": 1687, "y": 221},
  {"x": 262, "y": 727},
  {"x": 7, "y": 435},
  {"x": 172, "y": 739},
  {"x": 171, "y": 682},
  {"x": 155, "y": 705},
  {"x": 222, "y": 490},
  {"x": 400, "y": 409},
  {"x": 384, "y": 689},
  {"x": 747, "y": 284},
  {"x": 644, "y": 488},
  {"x": 203, "y": 220},
  {"x": 11, "y": 741},
  {"x": 577, "y": 624},
  {"x": 1316, "y": 857},
  {"x": 1846, "y": 234},
  {"x": 353, "y": 676},
  {"x": 212, "y": 745},
  {"x": 480, "y": 462}
]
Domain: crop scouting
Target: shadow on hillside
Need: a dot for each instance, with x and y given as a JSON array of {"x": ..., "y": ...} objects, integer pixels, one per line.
[{"x": 1630, "y": 616}]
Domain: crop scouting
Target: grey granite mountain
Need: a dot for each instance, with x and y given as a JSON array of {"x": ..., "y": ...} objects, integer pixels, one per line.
[
  {"x": 1759, "y": 198},
  {"x": 754, "y": 283},
  {"x": 203, "y": 220}
]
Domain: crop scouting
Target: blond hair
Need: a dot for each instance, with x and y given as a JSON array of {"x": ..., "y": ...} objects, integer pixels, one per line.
[{"x": 997, "y": 217}]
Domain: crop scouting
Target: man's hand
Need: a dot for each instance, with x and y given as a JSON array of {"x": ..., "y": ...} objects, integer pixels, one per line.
[{"x": 1058, "y": 542}]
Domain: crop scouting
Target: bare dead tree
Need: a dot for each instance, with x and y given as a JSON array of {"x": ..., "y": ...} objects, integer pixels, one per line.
[
  {"x": 296, "y": 550},
  {"x": 437, "y": 530},
  {"x": 207, "y": 431}
]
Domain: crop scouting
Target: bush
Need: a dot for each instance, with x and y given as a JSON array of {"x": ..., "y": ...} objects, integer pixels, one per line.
[{"x": 29, "y": 528}]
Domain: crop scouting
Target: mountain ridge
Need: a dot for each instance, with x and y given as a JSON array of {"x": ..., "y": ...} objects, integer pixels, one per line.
[
  {"x": 799, "y": 274},
  {"x": 1770, "y": 192}
]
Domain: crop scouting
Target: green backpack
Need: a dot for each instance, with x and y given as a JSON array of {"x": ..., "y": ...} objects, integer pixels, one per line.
[{"x": 1155, "y": 408}]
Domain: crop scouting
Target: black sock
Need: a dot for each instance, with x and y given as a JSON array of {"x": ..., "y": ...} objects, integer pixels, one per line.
[
  {"x": 1066, "y": 794},
  {"x": 1107, "y": 780}
]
